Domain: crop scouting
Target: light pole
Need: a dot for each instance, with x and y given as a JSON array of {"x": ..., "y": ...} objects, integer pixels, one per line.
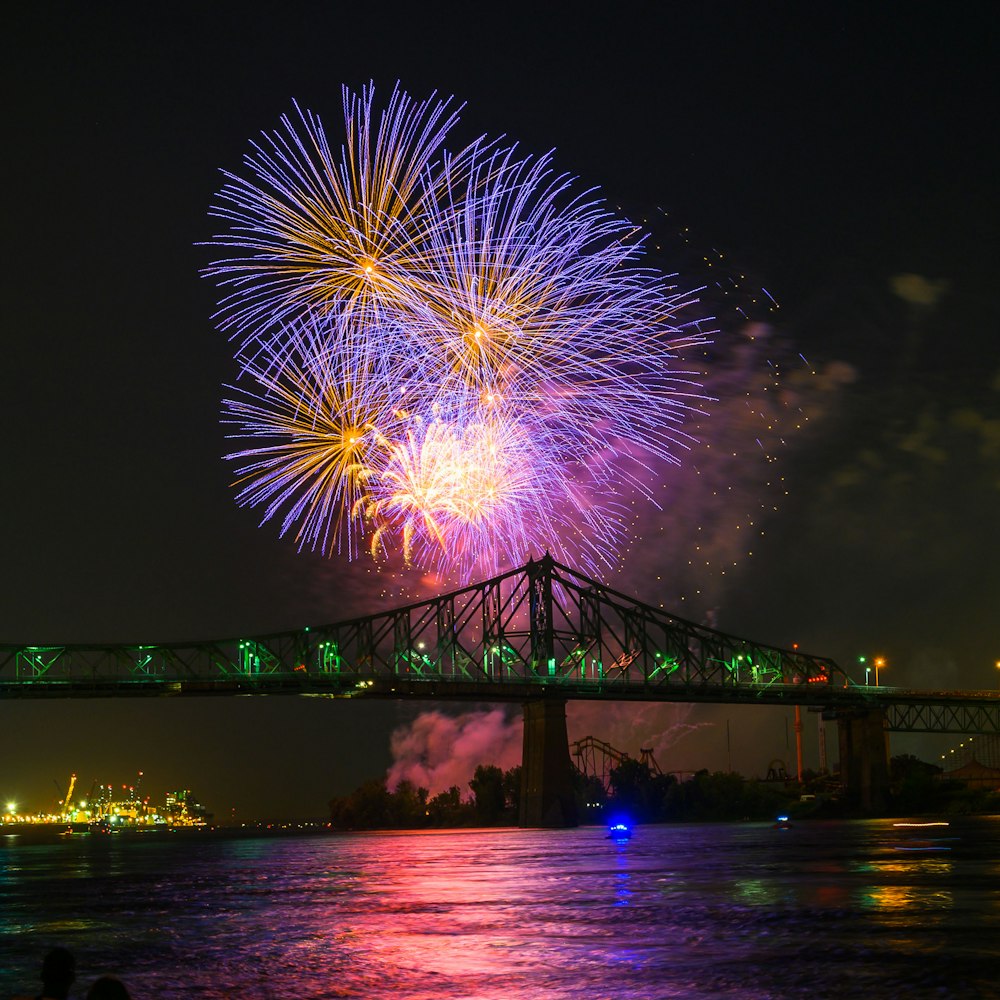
[
  {"x": 863, "y": 660},
  {"x": 879, "y": 662}
]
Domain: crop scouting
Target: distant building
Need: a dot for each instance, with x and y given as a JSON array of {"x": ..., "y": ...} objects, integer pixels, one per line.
[
  {"x": 181, "y": 807},
  {"x": 975, "y": 775},
  {"x": 976, "y": 762}
]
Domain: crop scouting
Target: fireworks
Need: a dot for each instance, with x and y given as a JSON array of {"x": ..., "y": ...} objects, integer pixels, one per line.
[{"x": 454, "y": 355}]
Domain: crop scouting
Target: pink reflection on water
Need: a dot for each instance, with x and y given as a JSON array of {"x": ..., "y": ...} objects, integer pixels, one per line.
[{"x": 481, "y": 910}]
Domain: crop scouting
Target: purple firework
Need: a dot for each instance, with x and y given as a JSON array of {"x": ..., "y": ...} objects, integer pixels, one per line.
[{"x": 460, "y": 357}]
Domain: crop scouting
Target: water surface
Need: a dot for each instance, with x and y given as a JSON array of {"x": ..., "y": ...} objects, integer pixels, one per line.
[{"x": 859, "y": 909}]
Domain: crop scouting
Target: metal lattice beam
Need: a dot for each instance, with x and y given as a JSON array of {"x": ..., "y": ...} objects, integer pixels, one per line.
[
  {"x": 945, "y": 717},
  {"x": 540, "y": 630},
  {"x": 540, "y": 626}
]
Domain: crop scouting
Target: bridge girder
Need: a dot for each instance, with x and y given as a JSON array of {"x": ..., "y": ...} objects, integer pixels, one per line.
[
  {"x": 540, "y": 630},
  {"x": 979, "y": 717},
  {"x": 542, "y": 625}
]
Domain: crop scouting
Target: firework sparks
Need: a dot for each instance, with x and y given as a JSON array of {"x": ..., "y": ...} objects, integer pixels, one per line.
[
  {"x": 478, "y": 489},
  {"x": 310, "y": 233},
  {"x": 459, "y": 356}
]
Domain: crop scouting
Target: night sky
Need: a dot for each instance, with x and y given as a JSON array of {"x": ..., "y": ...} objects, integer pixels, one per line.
[{"x": 843, "y": 158}]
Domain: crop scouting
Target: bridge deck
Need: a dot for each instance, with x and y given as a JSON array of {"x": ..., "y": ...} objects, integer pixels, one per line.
[{"x": 541, "y": 631}]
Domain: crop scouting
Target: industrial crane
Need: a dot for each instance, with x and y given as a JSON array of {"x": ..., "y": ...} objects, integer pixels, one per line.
[{"x": 69, "y": 795}]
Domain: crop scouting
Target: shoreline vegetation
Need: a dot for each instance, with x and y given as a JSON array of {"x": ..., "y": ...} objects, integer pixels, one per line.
[{"x": 917, "y": 788}]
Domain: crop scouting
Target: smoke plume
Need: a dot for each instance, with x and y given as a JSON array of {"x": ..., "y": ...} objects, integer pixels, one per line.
[{"x": 437, "y": 751}]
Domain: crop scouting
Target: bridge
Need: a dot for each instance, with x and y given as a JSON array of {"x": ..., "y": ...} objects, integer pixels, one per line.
[{"x": 538, "y": 635}]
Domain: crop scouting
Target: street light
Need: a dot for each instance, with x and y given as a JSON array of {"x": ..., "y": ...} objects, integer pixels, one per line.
[{"x": 879, "y": 663}]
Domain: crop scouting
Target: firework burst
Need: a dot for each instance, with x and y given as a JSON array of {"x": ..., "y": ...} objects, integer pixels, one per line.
[
  {"x": 457, "y": 356},
  {"x": 313, "y": 232}
]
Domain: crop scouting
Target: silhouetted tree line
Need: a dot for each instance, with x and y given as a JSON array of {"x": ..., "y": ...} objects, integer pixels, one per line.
[
  {"x": 919, "y": 787},
  {"x": 495, "y": 795},
  {"x": 916, "y": 787},
  {"x": 494, "y": 802},
  {"x": 662, "y": 798}
]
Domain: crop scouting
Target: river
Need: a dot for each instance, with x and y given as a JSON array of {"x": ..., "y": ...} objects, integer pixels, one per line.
[{"x": 823, "y": 909}]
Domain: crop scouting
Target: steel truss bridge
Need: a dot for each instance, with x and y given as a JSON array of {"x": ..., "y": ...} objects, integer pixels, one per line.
[{"x": 540, "y": 631}]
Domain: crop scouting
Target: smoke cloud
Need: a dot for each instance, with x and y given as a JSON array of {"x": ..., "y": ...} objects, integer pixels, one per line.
[
  {"x": 437, "y": 751},
  {"x": 631, "y": 727}
]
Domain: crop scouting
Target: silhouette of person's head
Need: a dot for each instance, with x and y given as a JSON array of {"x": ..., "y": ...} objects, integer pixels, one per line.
[
  {"x": 58, "y": 973},
  {"x": 108, "y": 988}
]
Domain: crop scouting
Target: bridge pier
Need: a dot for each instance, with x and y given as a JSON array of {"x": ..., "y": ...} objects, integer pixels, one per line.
[
  {"x": 546, "y": 772},
  {"x": 864, "y": 758}
]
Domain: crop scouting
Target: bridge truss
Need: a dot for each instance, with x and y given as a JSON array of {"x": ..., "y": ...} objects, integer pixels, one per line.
[
  {"x": 542, "y": 628},
  {"x": 915, "y": 712}
]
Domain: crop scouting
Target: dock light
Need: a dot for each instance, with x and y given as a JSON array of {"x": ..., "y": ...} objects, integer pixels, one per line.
[{"x": 12, "y": 807}]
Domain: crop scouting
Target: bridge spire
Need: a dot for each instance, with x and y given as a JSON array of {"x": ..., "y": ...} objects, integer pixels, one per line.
[{"x": 540, "y": 622}]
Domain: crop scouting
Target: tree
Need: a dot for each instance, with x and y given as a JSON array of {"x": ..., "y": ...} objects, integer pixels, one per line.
[
  {"x": 409, "y": 806},
  {"x": 446, "y": 809},
  {"x": 512, "y": 790},
  {"x": 916, "y": 786},
  {"x": 366, "y": 808},
  {"x": 631, "y": 788},
  {"x": 488, "y": 791}
]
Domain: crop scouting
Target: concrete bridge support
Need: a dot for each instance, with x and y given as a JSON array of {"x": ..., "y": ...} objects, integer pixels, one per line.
[
  {"x": 546, "y": 772},
  {"x": 864, "y": 759}
]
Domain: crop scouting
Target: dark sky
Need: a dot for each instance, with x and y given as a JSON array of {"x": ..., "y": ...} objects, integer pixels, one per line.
[{"x": 843, "y": 157}]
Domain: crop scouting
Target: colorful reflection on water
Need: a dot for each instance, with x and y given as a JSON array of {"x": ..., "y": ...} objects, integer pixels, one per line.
[{"x": 823, "y": 909}]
